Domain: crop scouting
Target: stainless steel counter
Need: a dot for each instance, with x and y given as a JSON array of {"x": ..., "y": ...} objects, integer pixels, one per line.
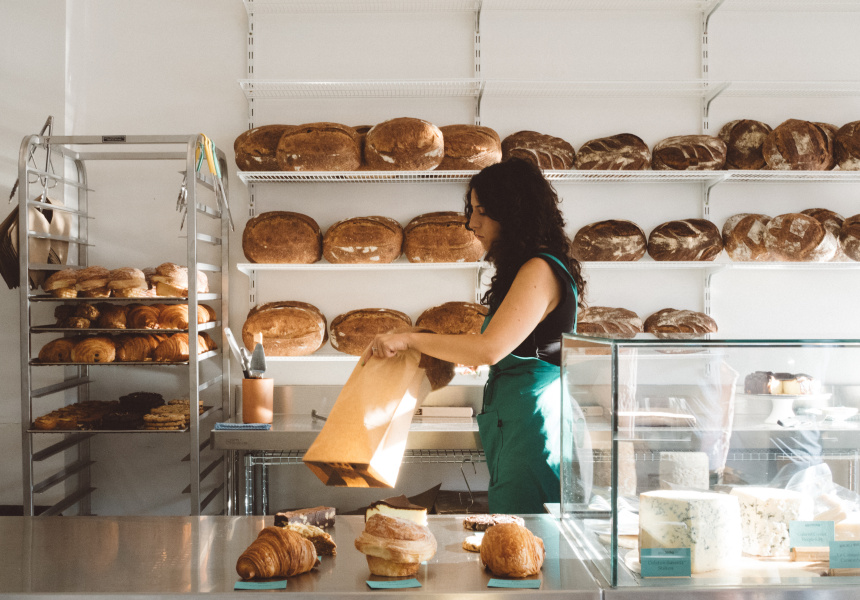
[{"x": 196, "y": 556}]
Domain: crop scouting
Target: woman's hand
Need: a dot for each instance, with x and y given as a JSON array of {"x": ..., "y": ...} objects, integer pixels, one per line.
[{"x": 387, "y": 345}]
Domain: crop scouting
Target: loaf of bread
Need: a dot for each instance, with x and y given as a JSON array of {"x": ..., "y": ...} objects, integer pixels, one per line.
[
  {"x": 744, "y": 139},
  {"x": 546, "y": 151},
  {"x": 832, "y": 222},
  {"x": 830, "y": 131},
  {"x": 849, "y": 237},
  {"x": 798, "y": 146},
  {"x": 62, "y": 284},
  {"x": 743, "y": 237},
  {"x": 621, "y": 152},
  {"x": 319, "y": 146},
  {"x": 469, "y": 147},
  {"x": 511, "y": 550},
  {"x": 612, "y": 240},
  {"x": 404, "y": 144},
  {"x": 671, "y": 323},
  {"x": 282, "y": 237},
  {"x": 440, "y": 237},
  {"x": 289, "y": 328},
  {"x": 847, "y": 146},
  {"x": 171, "y": 280},
  {"x": 352, "y": 332},
  {"x": 129, "y": 282},
  {"x": 453, "y": 318},
  {"x": 687, "y": 239},
  {"x": 608, "y": 322},
  {"x": 796, "y": 237},
  {"x": 257, "y": 148},
  {"x": 92, "y": 282},
  {"x": 689, "y": 153},
  {"x": 363, "y": 240}
]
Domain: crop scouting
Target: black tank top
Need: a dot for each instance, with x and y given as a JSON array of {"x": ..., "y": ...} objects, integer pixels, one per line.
[{"x": 545, "y": 341}]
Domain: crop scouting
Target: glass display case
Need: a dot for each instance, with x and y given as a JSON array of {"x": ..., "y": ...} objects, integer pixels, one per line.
[{"x": 712, "y": 462}]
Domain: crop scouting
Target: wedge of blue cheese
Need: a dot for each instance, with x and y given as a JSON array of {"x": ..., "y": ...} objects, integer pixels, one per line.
[
  {"x": 707, "y": 523},
  {"x": 399, "y": 507},
  {"x": 766, "y": 514}
]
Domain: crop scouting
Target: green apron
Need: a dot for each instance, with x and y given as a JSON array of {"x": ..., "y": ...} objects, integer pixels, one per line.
[{"x": 520, "y": 427}]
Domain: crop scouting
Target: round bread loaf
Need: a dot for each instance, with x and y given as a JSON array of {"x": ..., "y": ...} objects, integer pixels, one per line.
[
  {"x": 799, "y": 146},
  {"x": 743, "y": 237},
  {"x": 453, "y": 318},
  {"x": 671, "y": 323},
  {"x": 608, "y": 322},
  {"x": 744, "y": 139},
  {"x": 847, "y": 146},
  {"x": 363, "y": 240},
  {"x": 621, "y": 152},
  {"x": 320, "y": 146},
  {"x": 289, "y": 328},
  {"x": 830, "y": 131},
  {"x": 796, "y": 237},
  {"x": 469, "y": 147},
  {"x": 849, "y": 237},
  {"x": 282, "y": 237},
  {"x": 611, "y": 240},
  {"x": 687, "y": 239},
  {"x": 832, "y": 222},
  {"x": 689, "y": 153},
  {"x": 353, "y": 331},
  {"x": 440, "y": 237},
  {"x": 546, "y": 151},
  {"x": 404, "y": 144},
  {"x": 257, "y": 148}
]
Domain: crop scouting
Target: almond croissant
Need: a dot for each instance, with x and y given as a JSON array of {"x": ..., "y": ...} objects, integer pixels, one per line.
[{"x": 277, "y": 552}]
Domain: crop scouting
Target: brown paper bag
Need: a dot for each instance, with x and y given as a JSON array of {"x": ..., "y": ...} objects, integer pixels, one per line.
[{"x": 364, "y": 437}]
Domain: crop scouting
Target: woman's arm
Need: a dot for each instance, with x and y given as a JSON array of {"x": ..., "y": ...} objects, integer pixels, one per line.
[{"x": 534, "y": 293}]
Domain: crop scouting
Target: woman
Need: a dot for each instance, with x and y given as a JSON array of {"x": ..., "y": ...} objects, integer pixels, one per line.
[{"x": 532, "y": 299}]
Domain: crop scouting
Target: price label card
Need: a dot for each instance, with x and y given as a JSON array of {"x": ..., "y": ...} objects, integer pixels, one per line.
[
  {"x": 515, "y": 583},
  {"x": 261, "y": 585},
  {"x": 809, "y": 534},
  {"x": 844, "y": 555},
  {"x": 398, "y": 584},
  {"x": 665, "y": 562}
]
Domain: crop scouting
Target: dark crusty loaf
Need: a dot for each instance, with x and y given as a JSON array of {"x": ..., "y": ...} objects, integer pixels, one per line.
[
  {"x": 257, "y": 148},
  {"x": 612, "y": 240},
  {"x": 671, "y": 323},
  {"x": 608, "y": 322},
  {"x": 403, "y": 144},
  {"x": 621, "y": 152},
  {"x": 453, "y": 318},
  {"x": 798, "y": 146},
  {"x": 797, "y": 237},
  {"x": 687, "y": 239},
  {"x": 744, "y": 139},
  {"x": 371, "y": 239},
  {"x": 832, "y": 222},
  {"x": 847, "y": 146},
  {"x": 689, "y": 153},
  {"x": 743, "y": 237},
  {"x": 470, "y": 147},
  {"x": 361, "y": 131},
  {"x": 849, "y": 237},
  {"x": 352, "y": 332},
  {"x": 830, "y": 131},
  {"x": 289, "y": 328},
  {"x": 319, "y": 146},
  {"x": 282, "y": 237},
  {"x": 546, "y": 151},
  {"x": 440, "y": 237}
]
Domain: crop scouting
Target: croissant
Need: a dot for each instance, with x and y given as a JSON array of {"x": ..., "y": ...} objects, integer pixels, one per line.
[
  {"x": 207, "y": 341},
  {"x": 212, "y": 316},
  {"x": 173, "y": 349},
  {"x": 113, "y": 317},
  {"x": 142, "y": 317},
  {"x": 174, "y": 316},
  {"x": 135, "y": 348},
  {"x": 511, "y": 550},
  {"x": 277, "y": 552},
  {"x": 94, "y": 350},
  {"x": 57, "y": 351}
]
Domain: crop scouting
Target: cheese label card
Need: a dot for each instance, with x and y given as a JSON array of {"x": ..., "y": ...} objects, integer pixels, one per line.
[
  {"x": 844, "y": 555},
  {"x": 665, "y": 562},
  {"x": 810, "y": 534},
  {"x": 515, "y": 583},
  {"x": 261, "y": 585},
  {"x": 394, "y": 585}
]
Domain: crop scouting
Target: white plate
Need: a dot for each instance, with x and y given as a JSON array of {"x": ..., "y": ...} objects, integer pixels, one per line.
[{"x": 782, "y": 405}]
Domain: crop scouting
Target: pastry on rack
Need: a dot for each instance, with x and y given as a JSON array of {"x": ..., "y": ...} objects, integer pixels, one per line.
[
  {"x": 112, "y": 316},
  {"x": 511, "y": 550},
  {"x": 74, "y": 323},
  {"x": 57, "y": 351},
  {"x": 142, "y": 316},
  {"x": 171, "y": 280},
  {"x": 208, "y": 344},
  {"x": 395, "y": 547},
  {"x": 173, "y": 349},
  {"x": 98, "y": 349},
  {"x": 128, "y": 282},
  {"x": 62, "y": 284},
  {"x": 92, "y": 282},
  {"x": 277, "y": 552},
  {"x": 210, "y": 315},
  {"x": 135, "y": 348},
  {"x": 87, "y": 311},
  {"x": 174, "y": 316},
  {"x": 140, "y": 402}
]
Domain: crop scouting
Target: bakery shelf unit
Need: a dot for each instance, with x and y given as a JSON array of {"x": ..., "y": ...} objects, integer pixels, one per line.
[{"x": 56, "y": 167}]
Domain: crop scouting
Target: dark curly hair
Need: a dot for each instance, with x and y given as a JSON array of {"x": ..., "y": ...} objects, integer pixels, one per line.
[{"x": 526, "y": 206}]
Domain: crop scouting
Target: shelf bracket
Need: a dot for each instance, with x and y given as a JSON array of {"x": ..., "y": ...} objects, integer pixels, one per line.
[
  {"x": 707, "y": 186},
  {"x": 477, "y": 61},
  {"x": 710, "y": 96}
]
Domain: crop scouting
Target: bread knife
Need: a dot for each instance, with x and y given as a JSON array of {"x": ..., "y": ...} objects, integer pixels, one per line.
[{"x": 234, "y": 347}]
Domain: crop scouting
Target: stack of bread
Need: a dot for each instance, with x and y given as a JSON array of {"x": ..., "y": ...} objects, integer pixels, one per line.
[
  {"x": 137, "y": 410},
  {"x": 123, "y": 348},
  {"x": 167, "y": 279},
  {"x": 104, "y": 315}
]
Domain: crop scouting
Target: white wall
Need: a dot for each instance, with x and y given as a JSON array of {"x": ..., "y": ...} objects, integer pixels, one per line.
[{"x": 167, "y": 67}]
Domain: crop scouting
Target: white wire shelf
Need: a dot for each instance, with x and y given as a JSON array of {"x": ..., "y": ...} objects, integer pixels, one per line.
[
  {"x": 333, "y": 6},
  {"x": 441, "y": 88},
  {"x": 717, "y": 265},
  {"x": 402, "y": 265},
  {"x": 793, "y": 89}
]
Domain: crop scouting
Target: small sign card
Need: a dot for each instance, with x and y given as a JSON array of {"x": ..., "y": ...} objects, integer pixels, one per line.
[
  {"x": 810, "y": 534},
  {"x": 665, "y": 562},
  {"x": 844, "y": 555},
  {"x": 515, "y": 583},
  {"x": 280, "y": 584},
  {"x": 397, "y": 584}
]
